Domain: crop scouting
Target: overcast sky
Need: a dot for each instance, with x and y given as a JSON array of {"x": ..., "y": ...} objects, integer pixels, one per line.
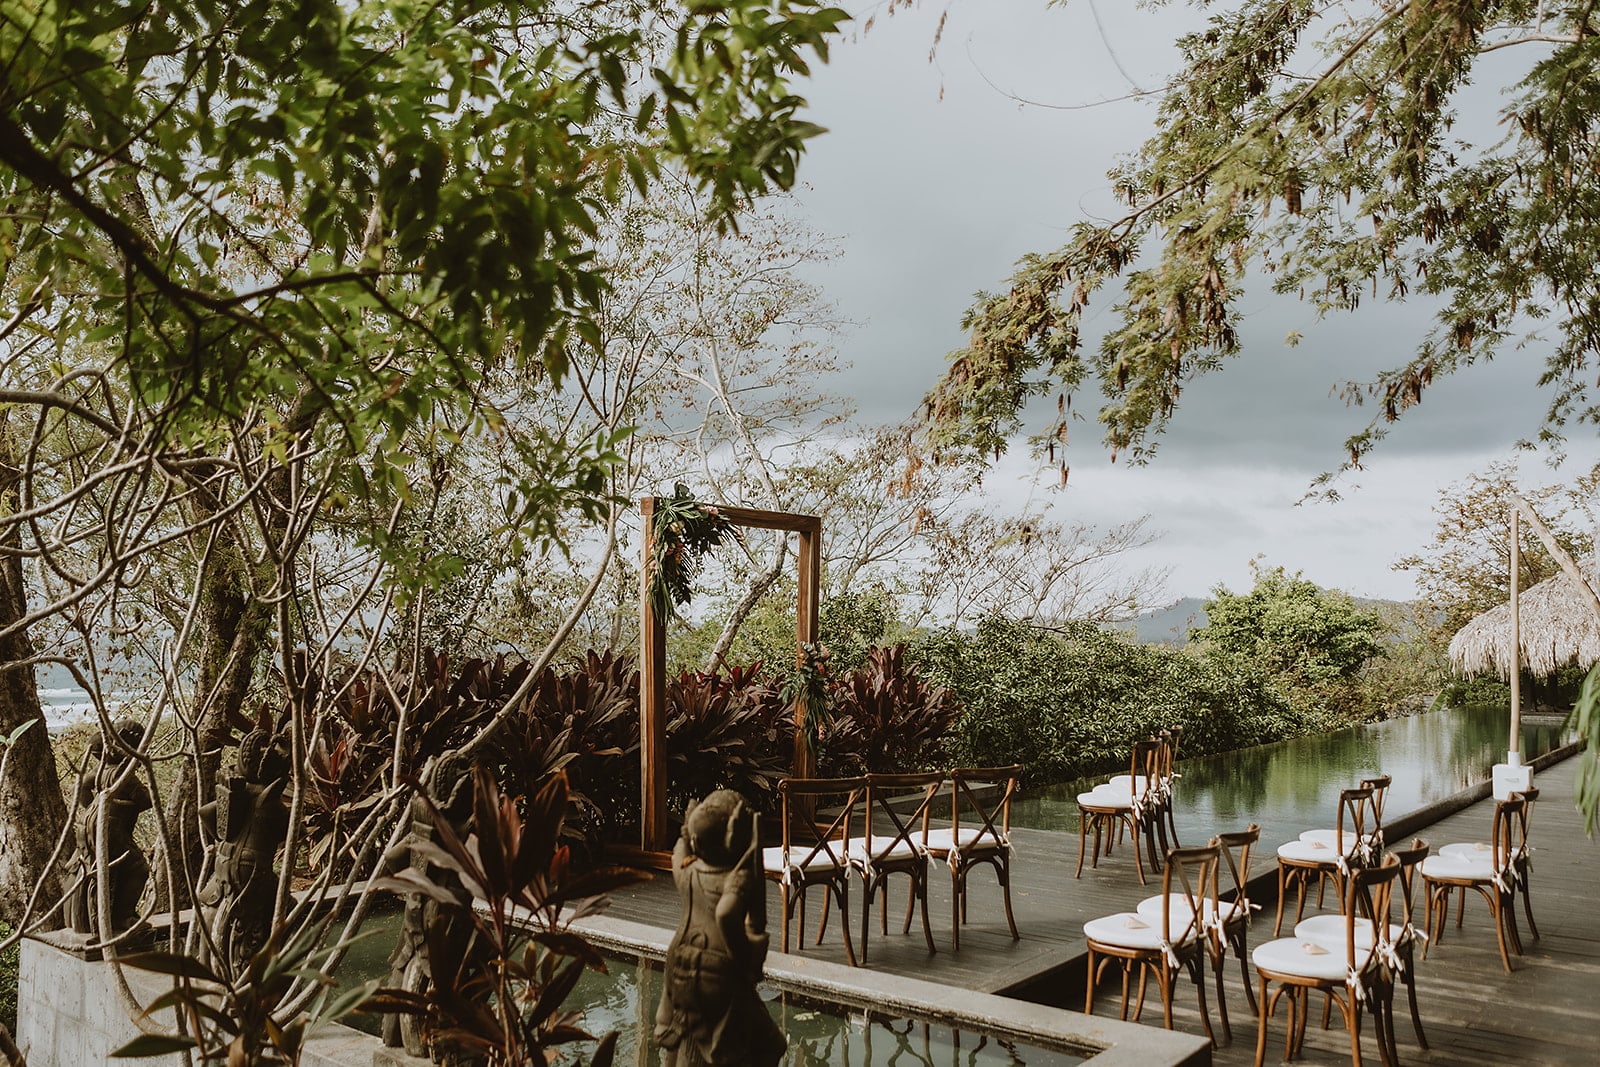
[{"x": 935, "y": 179}]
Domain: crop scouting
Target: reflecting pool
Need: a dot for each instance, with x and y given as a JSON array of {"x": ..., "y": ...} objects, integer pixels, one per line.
[
  {"x": 1294, "y": 785},
  {"x": 820, "y": 1034}
]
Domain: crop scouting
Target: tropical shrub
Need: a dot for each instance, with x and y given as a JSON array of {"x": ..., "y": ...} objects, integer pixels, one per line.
[
  {"x": 726, "y": 732},
  {"x": 1067, "y": 702},
  {"x": 886, "y": 718},
  {"x": 504, "y": 1003}
]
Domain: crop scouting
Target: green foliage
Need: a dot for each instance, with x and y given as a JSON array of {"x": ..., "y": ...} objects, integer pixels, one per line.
[
  {"x": 1313, "y": 642},
  {"x": 1067, "y": 702},
  {"x": 10, "y": 969},
  {"x": 1318, "y": 145},
  {"x": 682, "y": 530},
  {"x": 1585, "y": 719},
  {"x": 851, "y": 626}
]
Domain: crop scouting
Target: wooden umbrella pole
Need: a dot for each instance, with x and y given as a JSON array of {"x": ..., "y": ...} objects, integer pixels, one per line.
[{"x": 1514, "y": 757}]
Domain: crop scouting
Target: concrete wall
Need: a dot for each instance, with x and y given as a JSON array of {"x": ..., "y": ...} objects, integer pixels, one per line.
[
  {"x": 70, "y": 1014},
  {"x": 68, "y": 1011}
]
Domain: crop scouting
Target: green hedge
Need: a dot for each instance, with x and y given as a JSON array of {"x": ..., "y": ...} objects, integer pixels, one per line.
[{"x": 1067, "y": 702}]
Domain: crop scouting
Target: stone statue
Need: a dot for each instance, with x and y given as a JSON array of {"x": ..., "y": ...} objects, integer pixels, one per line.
[
  {"x": 126, "y": 868},
  {"x": 710, "y": 1013},
  {"x": 409, "y": 966},
  {"x": 252, "y": 823}
]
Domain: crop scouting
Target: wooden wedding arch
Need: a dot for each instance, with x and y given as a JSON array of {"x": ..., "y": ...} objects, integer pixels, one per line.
[{"x": 654, "y": 832}]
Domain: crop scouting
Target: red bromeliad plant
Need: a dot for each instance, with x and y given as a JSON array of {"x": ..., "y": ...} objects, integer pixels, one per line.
[{"x": 511, "y": 978}]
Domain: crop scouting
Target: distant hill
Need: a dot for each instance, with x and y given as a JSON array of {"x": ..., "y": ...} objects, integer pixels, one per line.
[{"x": 1166, "y": 626}]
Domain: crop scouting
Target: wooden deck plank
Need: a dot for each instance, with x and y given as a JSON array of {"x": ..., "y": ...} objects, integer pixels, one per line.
[{"x": 1472, "y": 1011}]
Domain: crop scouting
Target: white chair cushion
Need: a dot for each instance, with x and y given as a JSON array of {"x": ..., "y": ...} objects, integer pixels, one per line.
[
  {"x": 1329, "y": 930},
  {"x": 1478, "y": 867},
  {"x": 1125, "y": 782},
  {"x": 973, "y": 839},
  {"x": 1106, "y": 797},
  {"x": 1125, "y": 930},
  {"x": 1307, "y": 959},
  {"x": 1150, "y": 908},
  {"x": 1328, "y": 838},
  {"x": 884, "y": 848},
  {"x": 1468, "y": 850},
  {"x": 1308, "y": 852},
  {"x": 772, "y": 858}
]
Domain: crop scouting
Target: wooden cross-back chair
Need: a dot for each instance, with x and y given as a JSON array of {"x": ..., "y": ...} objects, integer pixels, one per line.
[
  {"x": 1356, "y": 839},
  {"x": 891, "y": 842},
  {"x": 1175, "y": 939},
  {"x": 1127, "y": 802},
  {"x": 979, "y": 833},
  {"x": 1402, "y": 935},
  {"x": 1491, "y": 869},
  {"x": 1351, "y": 969},
  {"x": 816, "y": 814}
]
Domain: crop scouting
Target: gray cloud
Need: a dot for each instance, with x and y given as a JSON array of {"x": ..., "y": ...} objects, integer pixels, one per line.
[{"x": 934, "y": 199}]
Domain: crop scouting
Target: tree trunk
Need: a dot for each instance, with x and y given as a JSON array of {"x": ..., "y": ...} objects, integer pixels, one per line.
[
  {"x": 234, "y": 624},
  {"x": 32, "y": 810},
  {"x": 747, "y": 603}
]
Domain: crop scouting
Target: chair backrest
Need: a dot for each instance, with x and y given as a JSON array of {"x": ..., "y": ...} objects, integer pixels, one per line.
[
  {"x": 1236, "y": 847},
  {"x": 989, "y": 813},
  {"x": 1144, "y": 767},
  {"x": 816, "y": 816},
  {"x": 1357, "y": 825},
  {"x": 1409, "y": 857},
  {"x": 1379, "y": 784},
  {"x": 1368, "y": 895},
  {"x": 1509, "y": 832},
  {"x": 1531, "y": 797},
  {"x": 889, "y": 822},
  {"x": 1190, "y": 876}
]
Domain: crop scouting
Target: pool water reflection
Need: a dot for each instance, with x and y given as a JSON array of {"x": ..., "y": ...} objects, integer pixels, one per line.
[
  {"x": 1293, "y": 785},
  {"x": 820, "y": 1034}
]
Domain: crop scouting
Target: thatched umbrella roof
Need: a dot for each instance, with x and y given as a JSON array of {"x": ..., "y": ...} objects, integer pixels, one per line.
[{"x": 1558, "y": 627}]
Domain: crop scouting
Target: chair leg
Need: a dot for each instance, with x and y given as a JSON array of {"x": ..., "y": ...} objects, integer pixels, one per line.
[
  {"x": 1083, "y": 834},
  {"x": 1218, "y": 957},
  {"x": 1003, "y": 869},
  {"x": 843, "y": 889},
  {"x": 911, "y": 902},
  {"x": 1352, "y": 1022},
  {"x": 786, "y": 910},
  {"x": 1138, "y": 864},
  {"x": 867, "y": 888},
  {"x": 1527, "y": 909},
  {"x": 1410, "y": 978},
  {"x": 1088, "y": 992},
  {"x": 1241, "y": 949},
  {"x": 920, "y": 892},
  {"x": 1262, "y": 1014},
  {"x": 958, "y": 895},
  {"x": 1499, "y": 928},
  {"x": 1283, "y": 888}
]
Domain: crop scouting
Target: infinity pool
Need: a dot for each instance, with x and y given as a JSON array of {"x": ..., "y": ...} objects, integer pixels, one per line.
[{"x": 1294, "y": 785}]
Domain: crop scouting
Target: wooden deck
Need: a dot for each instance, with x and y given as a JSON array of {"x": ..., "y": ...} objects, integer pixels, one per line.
[{"x": 1547, "y": 1012}]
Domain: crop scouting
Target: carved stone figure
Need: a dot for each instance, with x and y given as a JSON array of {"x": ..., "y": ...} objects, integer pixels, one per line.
[
  {"x": 409, "y": 965},
  {"x": 126, "y": 868},
  {"x": 710, "y": 1013},
  {"x": 252, "y": 823}
]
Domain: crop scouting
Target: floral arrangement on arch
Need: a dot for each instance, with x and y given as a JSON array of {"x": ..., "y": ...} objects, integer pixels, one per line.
[{"x": 682, "y": 530}]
